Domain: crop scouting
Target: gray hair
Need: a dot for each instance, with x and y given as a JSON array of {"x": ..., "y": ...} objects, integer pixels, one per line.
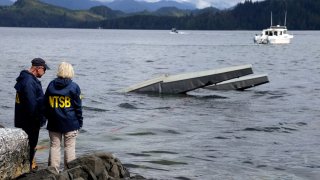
[{"x": 65, "y": 70}]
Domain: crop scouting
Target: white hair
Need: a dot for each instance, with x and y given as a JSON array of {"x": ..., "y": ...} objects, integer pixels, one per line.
[{"x": 65, "y": 70}]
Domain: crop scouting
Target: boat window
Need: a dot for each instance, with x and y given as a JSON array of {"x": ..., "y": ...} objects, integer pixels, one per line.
[
  {"x": 284, "y": 32},
  {"x": 270, "y": 33},
  {"x": 266, "y": 33},
  {"x": 280, "y": 32},
  {"x": 276, "y": 33}
]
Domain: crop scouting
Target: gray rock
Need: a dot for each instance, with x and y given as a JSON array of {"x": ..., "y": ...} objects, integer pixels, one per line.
[
  {"x": 14, "y": 163},
  {"x": 48, "y": 174},
  {"x": 113, "y": 165},
  {"x": 14, "y": 153},
  {"x": 97, "y": 166},
  {"x": 78, "y": 172},
  {"x": 103, "y": 165},
  {"x": 137, "y": 177}
]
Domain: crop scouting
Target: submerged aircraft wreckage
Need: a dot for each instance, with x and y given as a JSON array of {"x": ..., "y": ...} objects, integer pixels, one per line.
[{"x": 230, "y": 78}]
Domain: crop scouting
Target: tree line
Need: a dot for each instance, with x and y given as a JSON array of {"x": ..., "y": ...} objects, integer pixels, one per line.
[{"x": 301, "y": 15}]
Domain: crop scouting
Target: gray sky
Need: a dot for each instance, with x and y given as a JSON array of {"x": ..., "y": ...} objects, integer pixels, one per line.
[
  {"x": 205, "y": 3},
  {"x": 201, "y": 3},
  {"x": 214, "y": 3}
]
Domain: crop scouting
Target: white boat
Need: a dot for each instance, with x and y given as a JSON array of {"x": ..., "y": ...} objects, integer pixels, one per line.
[{"x": 274, "y": 35}]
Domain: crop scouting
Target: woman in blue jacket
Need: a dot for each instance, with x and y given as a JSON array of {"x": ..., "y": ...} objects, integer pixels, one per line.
[{"x": 64, "y": 113}]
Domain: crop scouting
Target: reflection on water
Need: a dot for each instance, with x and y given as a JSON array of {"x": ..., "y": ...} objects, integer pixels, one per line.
[{"x": 267, "y": 132}]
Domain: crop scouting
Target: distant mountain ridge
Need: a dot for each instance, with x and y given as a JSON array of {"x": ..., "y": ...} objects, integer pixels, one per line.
[
  {"x": 73, "y": 4},
  {"x": 302, "y": 15},
  {"x": 5, "y": 2},
  {"x": 128, "y": 6},
  {"x": 33, "y": 13},
  {"x": 124, "y": 5}
]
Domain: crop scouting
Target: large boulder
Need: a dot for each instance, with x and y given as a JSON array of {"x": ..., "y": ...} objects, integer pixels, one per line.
[
  {"x": 102, "y": 165},
  {"x": 96, "y": 166},
  {"x": 49, "y": 174},
  {"x": 14, "y": 153}
]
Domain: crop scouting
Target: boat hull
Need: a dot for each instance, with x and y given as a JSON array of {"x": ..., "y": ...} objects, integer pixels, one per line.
[
  {"x": 273, "y": 40},
  {"x": 282, "y": 40}
]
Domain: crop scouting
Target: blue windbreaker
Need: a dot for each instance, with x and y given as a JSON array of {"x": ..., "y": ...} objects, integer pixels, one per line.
[
  {"x": 29, "y": 102},
  {"x": 63, "y": 106}
]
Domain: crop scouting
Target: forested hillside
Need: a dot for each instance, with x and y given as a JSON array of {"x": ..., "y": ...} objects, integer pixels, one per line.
[
  {"x": 301, "y": 15},
  {"x": 32, "y": 13}
]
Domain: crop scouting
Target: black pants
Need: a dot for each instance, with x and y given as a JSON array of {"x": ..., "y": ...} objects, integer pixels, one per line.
[{"x": 33, "y": 136}]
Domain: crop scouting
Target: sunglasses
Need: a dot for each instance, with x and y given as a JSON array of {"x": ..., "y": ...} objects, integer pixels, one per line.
[{"x": 44, "y": 69}]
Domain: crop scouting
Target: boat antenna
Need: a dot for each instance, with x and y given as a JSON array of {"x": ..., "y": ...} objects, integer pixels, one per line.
[
  {"x": 285, "y": 18},
  {"x": 271, "y": 18}
]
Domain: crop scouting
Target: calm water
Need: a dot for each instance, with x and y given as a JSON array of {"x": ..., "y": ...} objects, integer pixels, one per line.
[{"x": 267, "y": 132}]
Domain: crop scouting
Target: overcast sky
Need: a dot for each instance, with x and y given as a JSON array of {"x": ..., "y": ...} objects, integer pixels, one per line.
[
  {"x": 205, "y": 3},
  {"x": 200, "y": 3},
  {"x": 214, "y": 3}
]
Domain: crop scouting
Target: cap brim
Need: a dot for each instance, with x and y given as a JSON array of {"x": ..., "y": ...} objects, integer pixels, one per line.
[{"x": 46, "y": 66}]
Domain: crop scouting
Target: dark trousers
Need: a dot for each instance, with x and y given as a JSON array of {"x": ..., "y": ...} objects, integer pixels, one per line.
[{"x": 33, "y": 136}]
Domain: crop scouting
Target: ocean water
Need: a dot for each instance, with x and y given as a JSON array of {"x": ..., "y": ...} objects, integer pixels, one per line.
[{"x": 267, "y": 132}]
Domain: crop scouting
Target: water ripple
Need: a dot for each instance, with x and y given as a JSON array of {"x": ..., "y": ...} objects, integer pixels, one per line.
[
  {"x": 88, "y": 108},
  {"x": 182, "y": 178},
  {"x": 270, "y": 129},
  {"x": 192, "y": 157},
  {"x": 160, "y": 152},
  {"x": 166, "y": 162},
  {"x": 141, "y": 134},
  {"x": 131, "y": 106},
  {"x": 142, "y": 167},
  {"x": 127, "y": 106},
  {"x": 139, "y": 154}
]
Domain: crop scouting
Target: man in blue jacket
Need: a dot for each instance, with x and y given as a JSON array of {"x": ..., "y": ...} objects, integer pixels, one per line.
[{"x": 29, "y": 107}]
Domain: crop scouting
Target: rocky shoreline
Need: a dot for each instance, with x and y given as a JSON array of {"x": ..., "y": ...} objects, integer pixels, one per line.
[{"x": 96, "y": 166}]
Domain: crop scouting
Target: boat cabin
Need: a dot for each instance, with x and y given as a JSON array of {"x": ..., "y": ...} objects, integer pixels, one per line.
[{"x": 275, "y": 31}]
